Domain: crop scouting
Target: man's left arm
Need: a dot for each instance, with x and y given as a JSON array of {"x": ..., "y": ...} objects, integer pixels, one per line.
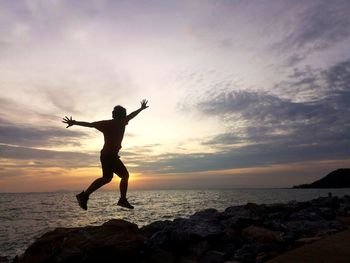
[{"x": 134, "y": 113}]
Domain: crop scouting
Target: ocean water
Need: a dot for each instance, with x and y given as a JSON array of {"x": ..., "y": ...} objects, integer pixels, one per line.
[{"x": 26, "y": 216}]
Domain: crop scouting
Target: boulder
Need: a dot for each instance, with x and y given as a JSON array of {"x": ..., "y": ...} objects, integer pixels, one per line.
[
  {"x": 183, "y": 231},
  {"x": 207, "y": 214},
  {"x": 149, "y": 230},
  {"x": 114, "y": 240},
  {"x": 4, "y": 259},
  {"x": 262, "y": 235},
  {"x": 213, "y": 256}
]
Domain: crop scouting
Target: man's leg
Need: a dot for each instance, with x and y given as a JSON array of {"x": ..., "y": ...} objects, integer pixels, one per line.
[
  {"x": 123, "y": 173},
  {"x": 123, "y": 186},
  {"x": 107, "y": 169},
  {"x": 83, "y": 197},
  {"x": 99, "y": 182}
]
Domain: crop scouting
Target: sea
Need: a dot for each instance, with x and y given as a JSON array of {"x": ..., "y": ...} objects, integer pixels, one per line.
[{"x": 24, "y": 217}]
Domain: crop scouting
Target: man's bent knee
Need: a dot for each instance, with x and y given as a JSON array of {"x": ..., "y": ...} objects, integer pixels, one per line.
[
  {"x": 107, "y": 179},
  {"x": 124, "y": 175}
]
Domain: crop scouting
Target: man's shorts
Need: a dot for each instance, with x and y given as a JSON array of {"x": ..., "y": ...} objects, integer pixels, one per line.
[{"x": 112, "y": 164}]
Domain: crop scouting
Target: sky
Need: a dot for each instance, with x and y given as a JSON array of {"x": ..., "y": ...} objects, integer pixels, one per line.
[{"x": 241, "y": 93}]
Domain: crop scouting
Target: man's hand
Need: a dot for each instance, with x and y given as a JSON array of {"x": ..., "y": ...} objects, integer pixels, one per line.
[
  {"x": 144, "y": 104},
  {"x": 68, "y": 121}
]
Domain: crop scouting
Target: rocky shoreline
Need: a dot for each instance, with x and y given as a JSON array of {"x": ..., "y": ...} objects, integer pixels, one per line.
[{"x": 246, "y": 233}]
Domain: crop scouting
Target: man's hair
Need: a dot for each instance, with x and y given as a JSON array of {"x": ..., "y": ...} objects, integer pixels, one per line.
[{"x": 119, "y": 112}]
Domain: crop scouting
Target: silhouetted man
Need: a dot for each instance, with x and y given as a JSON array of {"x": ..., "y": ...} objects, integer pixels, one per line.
[{"x": 113, "y": 133}]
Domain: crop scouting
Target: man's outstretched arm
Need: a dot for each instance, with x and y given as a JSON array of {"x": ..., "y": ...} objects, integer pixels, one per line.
[
  {"x": 134, "y": 113},
  {"x": 72, "y": 122}
]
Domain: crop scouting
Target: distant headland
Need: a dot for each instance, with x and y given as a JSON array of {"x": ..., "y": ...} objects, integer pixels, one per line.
[{"x": 339, "y": 178}]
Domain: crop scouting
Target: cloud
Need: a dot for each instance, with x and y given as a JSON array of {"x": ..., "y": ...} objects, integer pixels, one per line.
[
  {"x": 309, "y": 84},
  {"x": 21, "y": 126},
  {"x": 31, "y": 136},
  {"x": 320, "y": 25},
  {"x": 262, "y": 128},
  {"x": 269, "y": 115},
  {"x": 22, "y": 157}
]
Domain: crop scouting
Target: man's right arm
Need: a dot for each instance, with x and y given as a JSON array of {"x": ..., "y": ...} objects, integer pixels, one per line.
[
  {"x": 72, "y": 122},
  {"x": 84, "y": 123}
]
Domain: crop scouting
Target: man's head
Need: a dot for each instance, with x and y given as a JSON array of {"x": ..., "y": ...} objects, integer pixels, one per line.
[{"x": 119, "y": 112}]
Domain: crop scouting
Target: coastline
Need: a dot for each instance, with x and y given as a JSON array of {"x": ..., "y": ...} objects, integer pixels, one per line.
[{"x": 244, "y": 233}]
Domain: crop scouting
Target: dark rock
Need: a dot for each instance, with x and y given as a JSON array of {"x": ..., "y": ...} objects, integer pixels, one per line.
[
  {"x": 307, "y": 228},
  {"x": 330, "y": 201},
  {"x": 236, "y": 211},
  {"x": 275, "y": 224},
  {"x": 213, "y": 256},
  {"x": 149, "y": 230},
  {"x": 116, "y": 239},
  {"x": 262, "y": 235},
  {"x": 4, "y": 259},
  {"x": 246, "y": 253},
  {"x": 229, "y": 249},
  {"x": 184, "y": 231},
  {"x": 248, "y": 233},
  {"x": 257, "y": 210},
  {"x": 344, "y": 220},
  {"x": 159, "y": 255},
  {"x": 307, "y": 240},
  {"x": 207, "y": 214},
  {"x": 187, "y": 260},
  {"x": 242, "y": 216},
  {"x": 264, "y": 256},
  {"x": 311, "y": 214},
  {"x": 199, "y": 248},
  {"x": 244, "y": 211},
  {"x": 232, "y": 236}
]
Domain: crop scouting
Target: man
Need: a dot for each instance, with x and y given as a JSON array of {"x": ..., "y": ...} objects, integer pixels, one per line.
[{"x": 113, "y": 133}]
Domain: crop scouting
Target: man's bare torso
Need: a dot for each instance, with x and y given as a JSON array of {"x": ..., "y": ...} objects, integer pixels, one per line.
[{"x": 113, "y": 132}]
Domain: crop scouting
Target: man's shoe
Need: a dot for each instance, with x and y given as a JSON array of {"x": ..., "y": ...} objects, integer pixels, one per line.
[
  {"x": 82, "y": 200},
  {"x": 123, "y": 202}
]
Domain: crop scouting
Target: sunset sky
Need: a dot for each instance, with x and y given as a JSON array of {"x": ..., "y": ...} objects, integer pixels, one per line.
[{"x": 241, "y": 93}]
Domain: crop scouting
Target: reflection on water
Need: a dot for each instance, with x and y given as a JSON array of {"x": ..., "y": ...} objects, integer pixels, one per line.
[{"x": 26, "y": 216}]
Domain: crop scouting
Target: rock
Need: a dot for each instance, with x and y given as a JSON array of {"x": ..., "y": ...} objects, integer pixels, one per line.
[
  {"x": 243, "y": 216},
  {"x": 160, "y": 256},
  {"x": 262, "y": 235},
  {"x": 207, "y": 214},
  {"x": 257, "y": 210},
  {"x": 264, "y": 256},
  {"x": 187, "y": 260},
  {"x": 247, "y": 253},
  {"x": 310, "y": 214},
  {"x": 247, "y": 233},
  {"x": 275, "y": 224},
  {"x": 236, "y": 211},
  {"x": 329, "y": 201},
  {"x": 307, "y": 228},
  {"x": 307, "y": 240},
  {"x": 198, "y": 249},
  {"x": 149, "y": 230},
  {"x": 184, "y": 231},
  {"x": 213, "y": 256},
  {"x": 344, "y": 220},
  {"x": 244, "y": 211},
  {"x": 116, "y": 239},
  {"x": 4, "y": 259}
]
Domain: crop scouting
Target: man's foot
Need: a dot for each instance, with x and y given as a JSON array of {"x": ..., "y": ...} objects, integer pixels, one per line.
[
  {"x": 82, "y": 200},
  {"x": 123, "y": 202}
]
